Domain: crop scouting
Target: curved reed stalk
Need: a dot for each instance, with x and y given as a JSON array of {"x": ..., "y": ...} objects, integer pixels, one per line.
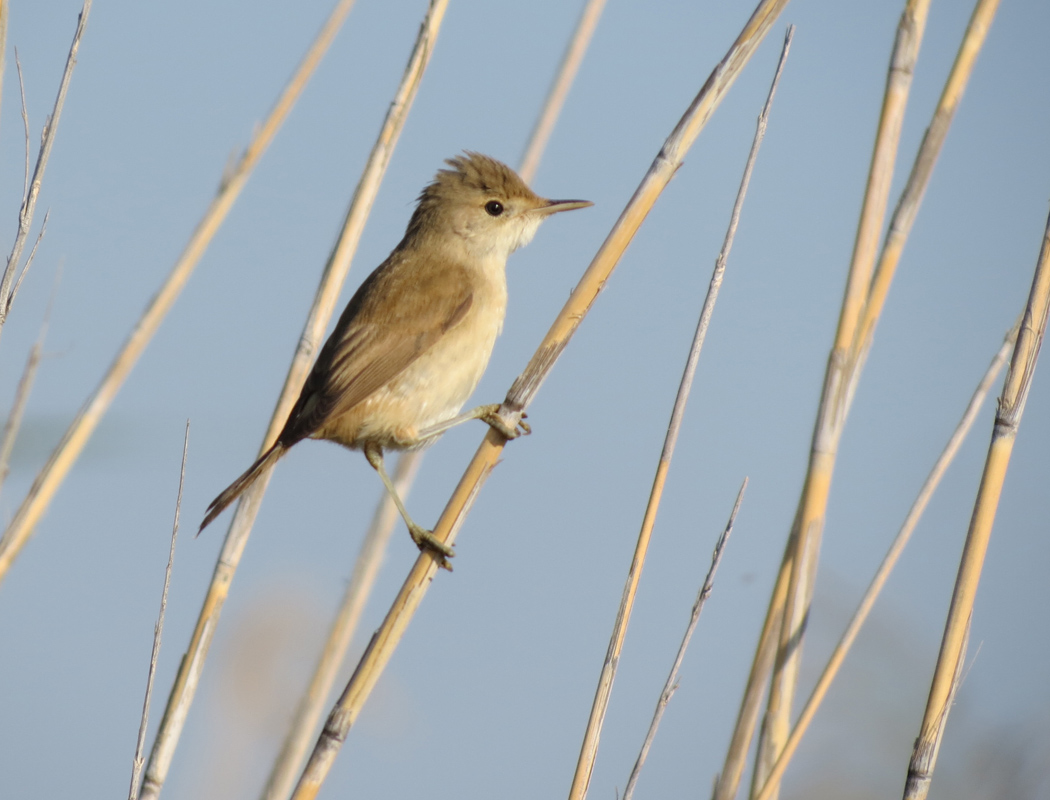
[
  {"x": 188, "y": 677},
  {"x": 95, "y": 407},
  {"x": 385, "y": 640}
]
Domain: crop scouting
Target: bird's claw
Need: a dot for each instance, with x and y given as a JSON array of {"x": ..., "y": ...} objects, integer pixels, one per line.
[
  {"x": 427, "y": 542},
  {"x": 496, "y": 421}
]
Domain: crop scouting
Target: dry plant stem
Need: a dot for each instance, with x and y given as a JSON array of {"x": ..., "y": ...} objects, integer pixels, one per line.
[
  {"x": 860, "y": 616},
  {"x": 323, "y": 306},
  {"x": 1004, "y": 433},
  {"x": 47, "y": 140},
  {"x": 25, "y": 386},
  {"x": 25, "y": 124},
  {"x": 385, "y": 640},
  {"x": 18, "y": 407},
  {"x": 362, "y": 580},
  {"x": 920, "y": 769},
  {"x": 158, "y": 629},
  {"x": 727, "y": 782},
  {"x": 366, "y": 567},
  {"x": 671, "y": 685},
  {"x": 836, "y": 394},
  {"x": 844, "y": 369},
  {"x": 559, "y": 90},
  {"x": 95, "y": 407},
  {"x": 592, "y": 735}
]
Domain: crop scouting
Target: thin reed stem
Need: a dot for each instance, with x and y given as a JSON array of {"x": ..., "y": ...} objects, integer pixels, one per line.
[
  {"x": 559, "y": 90},
  {"x": 97, "y": 404},
  {"x": 860, "y": 616},
  {"x": 25, "y": 385},
  {"x": 323, "y": 306},
  {"x": 592, "y": 735},
  {"x": 47, "y": 141},
  {"x": 1004, "y": 434},
  {"x": 366, "y": 567},
  {"x": 385, "y": 640},
  {"x": 671, "y": 684},
  {"x": 158, "y": 629}
]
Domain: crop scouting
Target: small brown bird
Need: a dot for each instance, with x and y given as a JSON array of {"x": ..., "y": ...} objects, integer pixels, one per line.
[{"x": 416, "y": 337}]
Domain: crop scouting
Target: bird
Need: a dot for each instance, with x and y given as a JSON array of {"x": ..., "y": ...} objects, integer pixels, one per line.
[{"x": 416, "y": 337}]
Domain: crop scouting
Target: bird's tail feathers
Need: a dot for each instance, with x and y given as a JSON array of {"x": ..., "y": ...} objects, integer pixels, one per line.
[{"x": 239, "y": 486}]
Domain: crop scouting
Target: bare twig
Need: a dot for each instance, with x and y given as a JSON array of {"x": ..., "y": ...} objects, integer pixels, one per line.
[
  {"x": 1004, "y": 433},
  {"x": 25, "y": 124},
  {"x": 413, "y": 590},
  {"x": 97, "y": 404},
  {"x": 47, "y": 140},
  {"x": 592, "y": 734},
  {"x": 335, "y": 272},
  {"x": 158, "y": 629},
  {"x": 366, "y": 567},
  {"x": 32, "y": 255},
  {"x": 25, "y": 386},
  {"x": 559, "y": 90},
  {"x": 671, "y": 685},
  {"x": 860, "y": 616}
]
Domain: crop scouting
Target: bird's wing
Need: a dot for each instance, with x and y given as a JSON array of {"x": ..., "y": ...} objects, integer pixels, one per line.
[{"x": 365, "y": 353}]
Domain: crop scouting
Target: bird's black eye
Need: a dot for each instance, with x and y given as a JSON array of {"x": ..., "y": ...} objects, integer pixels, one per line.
[{"x": 494, "y": 208}]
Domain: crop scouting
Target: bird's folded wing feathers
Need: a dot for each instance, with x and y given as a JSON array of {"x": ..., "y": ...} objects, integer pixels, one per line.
[{"x": 365, "y": 358}]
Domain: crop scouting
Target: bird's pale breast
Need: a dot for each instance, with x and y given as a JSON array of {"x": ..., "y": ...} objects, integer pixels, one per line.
[{"x": 434, "y": 387}]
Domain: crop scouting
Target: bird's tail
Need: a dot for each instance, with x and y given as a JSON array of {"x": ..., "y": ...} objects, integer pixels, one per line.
[{"x": 239, "y": 486}]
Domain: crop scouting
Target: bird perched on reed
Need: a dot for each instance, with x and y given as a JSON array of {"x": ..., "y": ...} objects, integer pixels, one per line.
[{"x": 416, "y": 337}]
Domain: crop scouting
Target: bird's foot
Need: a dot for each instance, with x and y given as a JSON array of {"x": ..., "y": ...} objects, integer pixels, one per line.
[
  {"x": 427, "y": 542},
  {"x": 490, "y": 415}
]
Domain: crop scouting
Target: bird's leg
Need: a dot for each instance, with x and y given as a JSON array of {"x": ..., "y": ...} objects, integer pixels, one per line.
[
  {"x": 488, "y": 414},
  {"x": 424, "y": 539}
]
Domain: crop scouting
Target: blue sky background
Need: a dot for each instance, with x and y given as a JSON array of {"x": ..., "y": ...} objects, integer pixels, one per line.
[{"x": 489, "y": 693}]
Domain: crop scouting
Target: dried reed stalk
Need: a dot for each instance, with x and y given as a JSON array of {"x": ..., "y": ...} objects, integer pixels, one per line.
[
  {"x": 671, "y": 684},
  {"x": 836, "y": 396},
  {"x": 323, "y": 306},
  {"x": 592, "y": 735},
  {"x": 1004, "y": 433},
  {"x": 25, "y": 386},
  {"x": 559, "y": 90},
  {"x": 373, "y": 548},
  {"x": 90, "y": 414},
  {"x": 47, "y": 141},
  {"x": 867, "y": 602},
  {"x": 385, "y": 640},
  {"x": 844, "y": 369},
  {"x": 158, "y": 629}
]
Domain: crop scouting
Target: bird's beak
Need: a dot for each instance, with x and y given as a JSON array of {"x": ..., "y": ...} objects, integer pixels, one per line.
[{"x": 554, "y": 206}]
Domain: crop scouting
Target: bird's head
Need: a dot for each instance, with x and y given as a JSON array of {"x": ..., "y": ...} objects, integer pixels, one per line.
[{"x": 484, "y": 203}]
